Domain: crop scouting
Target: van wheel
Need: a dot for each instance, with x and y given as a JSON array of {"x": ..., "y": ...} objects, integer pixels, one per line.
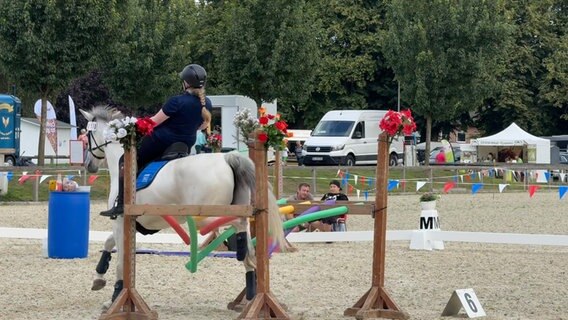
[
  {"x": 350, "y": 160},
  {"x": 393, "y": 160},
  {"x": 10, "y": 160}
]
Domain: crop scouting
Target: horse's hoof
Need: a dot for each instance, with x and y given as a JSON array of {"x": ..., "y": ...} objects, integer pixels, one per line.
[
  {"x": 106, "y": 305},
  {"x": 98, "y": 284}
]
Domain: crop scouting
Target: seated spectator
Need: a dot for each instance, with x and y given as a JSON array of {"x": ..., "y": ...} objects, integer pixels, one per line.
[
  {"x": 302, "y": 194},
  {"x": 337, "y": 223}
]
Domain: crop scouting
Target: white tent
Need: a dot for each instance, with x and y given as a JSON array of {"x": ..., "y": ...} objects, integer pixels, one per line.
[{"x": 537, "y": 150}]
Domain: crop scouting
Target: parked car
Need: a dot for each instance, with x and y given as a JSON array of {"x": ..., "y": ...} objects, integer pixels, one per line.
[{"x": 434, "y": 153}]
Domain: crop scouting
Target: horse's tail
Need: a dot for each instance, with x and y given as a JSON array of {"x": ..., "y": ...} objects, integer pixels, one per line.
[{"x": 244, "y": 172}]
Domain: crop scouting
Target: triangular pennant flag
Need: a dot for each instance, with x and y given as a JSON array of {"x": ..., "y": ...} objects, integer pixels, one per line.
[
  {"x": 456, "y": 178},
  {"x": 562, "y": 191},
  {"x": 392, "y": 185},
  {"x": 10, "y": 175},
  {"x": 473, "y": 175},
  {"x": 468, "y": 178},
  {"x": 350, "y": 188},
  {"x": 338, "y": 173},
  {"x": 420, "y": 184},
  {"x": 92, "y": 179},
  {"x": 355, "y": 178},
  {"x": 547, "y": 176},
  {"x": 532, "y": 190},
  {"x": 70, "y": 177},
  {"x": 358, "y": 193},
  {"x": 362, "y": 180},
  {"x": 476, "y": 187},
  {"x": 344, "y": 180},
  {"x": 562, "y": 175},
  {"x": 479, "y": 174},
  {"x": 461, "y": 178},
  {"x": 43, "y": 177},
  {"x": 23, "y": 179},
  {"x": 402, "y": 183},
  {"x": 366, "y": 194},
  {"x": 449, "y": 186},
  {"x": 371, "y": 181},
  {"x": 502, "y": 187},
  {"x": 347, "y": 175}
]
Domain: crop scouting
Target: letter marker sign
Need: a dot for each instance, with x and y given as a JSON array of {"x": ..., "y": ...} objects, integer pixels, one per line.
[{"x": 467, "y": 299}]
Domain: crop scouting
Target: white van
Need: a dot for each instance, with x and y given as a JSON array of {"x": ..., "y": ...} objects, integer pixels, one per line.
[{"x": 349, "y": 137}]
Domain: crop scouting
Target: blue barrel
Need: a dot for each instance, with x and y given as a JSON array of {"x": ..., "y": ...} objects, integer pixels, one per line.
[{"x": 68, "y": 225}]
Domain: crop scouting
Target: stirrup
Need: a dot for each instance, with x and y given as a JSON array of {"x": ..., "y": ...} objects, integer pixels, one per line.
[{"x": 113, "y": 212}]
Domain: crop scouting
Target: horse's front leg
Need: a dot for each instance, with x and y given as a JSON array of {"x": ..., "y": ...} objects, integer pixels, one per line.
[
  {"x": 118, "y": 234},
  {"x": 104, "y": 262}
]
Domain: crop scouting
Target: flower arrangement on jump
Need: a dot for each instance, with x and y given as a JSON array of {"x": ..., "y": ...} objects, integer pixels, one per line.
[
  {"x": 273, "y": 130},
  {"x": 396, "y": 123},
  {"x": 246, "y": 123},
  {"x": 215, "y": 142},
  {"x": 123, "y": 129}
]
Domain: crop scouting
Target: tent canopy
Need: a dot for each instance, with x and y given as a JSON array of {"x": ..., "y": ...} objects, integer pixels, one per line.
[{"x": 513, "y": 135}]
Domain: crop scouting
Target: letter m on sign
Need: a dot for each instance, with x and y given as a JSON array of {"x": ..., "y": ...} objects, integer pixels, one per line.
[{"x": 427, "y": 223}]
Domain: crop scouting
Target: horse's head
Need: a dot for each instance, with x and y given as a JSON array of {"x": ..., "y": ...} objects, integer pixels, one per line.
[{"x": 97, "y": 146}]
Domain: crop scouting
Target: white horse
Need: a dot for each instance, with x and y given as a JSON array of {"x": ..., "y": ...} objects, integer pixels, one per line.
[{"x": 212, "y": 178}]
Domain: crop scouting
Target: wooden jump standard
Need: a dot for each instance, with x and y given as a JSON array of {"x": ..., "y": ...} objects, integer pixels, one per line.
[
  {"x": 130, "y": 305},
  {"x": 376, "y": 302}
]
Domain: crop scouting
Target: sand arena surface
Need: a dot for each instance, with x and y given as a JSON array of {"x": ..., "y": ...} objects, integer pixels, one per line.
[{"x": 320, "y": 280}]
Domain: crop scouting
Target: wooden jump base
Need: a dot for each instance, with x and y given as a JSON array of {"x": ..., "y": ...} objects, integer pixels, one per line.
[{"x": 376, "y": 302}]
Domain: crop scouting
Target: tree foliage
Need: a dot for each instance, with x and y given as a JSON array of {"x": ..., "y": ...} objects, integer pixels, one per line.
[
  {"x": 445, "y": 54},
  {"x": 46, "y": 44},
  {"x": 152, "y": 49},
  {"x": 268, "y": 49}
]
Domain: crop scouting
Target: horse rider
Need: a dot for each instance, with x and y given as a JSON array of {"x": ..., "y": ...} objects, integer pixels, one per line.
[{"x": 177, "y": 121}]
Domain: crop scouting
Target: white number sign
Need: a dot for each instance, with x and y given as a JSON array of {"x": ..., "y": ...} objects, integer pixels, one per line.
[
  {"x": 91, "y": 126},
  {"x": 467, "y": 299}
]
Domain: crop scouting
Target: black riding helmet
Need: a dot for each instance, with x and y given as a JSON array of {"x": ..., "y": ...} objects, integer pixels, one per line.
[{"x": 194, "y": 74}]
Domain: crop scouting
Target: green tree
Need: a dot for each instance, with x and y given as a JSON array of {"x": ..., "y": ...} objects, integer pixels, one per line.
[
  {"x": 142, "y": 70},
  {"x": 535, "y": 79},
  {"x": 352, "y": 73},
  {"x": 46, "y": 44},
  {"x": 268, "y": 49},
  {"x": 445, "y": 54}
]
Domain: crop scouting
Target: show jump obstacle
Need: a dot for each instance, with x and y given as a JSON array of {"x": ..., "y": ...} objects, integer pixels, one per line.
[{"x": 375, "y": 303}]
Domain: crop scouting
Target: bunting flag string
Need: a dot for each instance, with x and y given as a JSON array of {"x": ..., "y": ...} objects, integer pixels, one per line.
[
  {"x": 449, "y": 186},
  {"x": 392, "y": 184},
  {"x": 532, "y": 190},
  {"x": 562, "y": 191},
  {"x": 420, "y": 184},
  {"x": 476, "y": 187}
]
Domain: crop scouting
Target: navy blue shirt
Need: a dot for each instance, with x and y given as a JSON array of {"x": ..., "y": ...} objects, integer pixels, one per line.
[{"x": 184, "y": 112}]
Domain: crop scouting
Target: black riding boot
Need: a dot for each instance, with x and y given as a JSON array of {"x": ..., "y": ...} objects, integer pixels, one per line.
[{"x": 118, "y": 208}]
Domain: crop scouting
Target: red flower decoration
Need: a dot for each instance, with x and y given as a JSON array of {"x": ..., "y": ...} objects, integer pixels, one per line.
[
  {"x": 396, "y": 123},
  {"x": 263, "y": 137},
  {"x": 145, "y": 126},
  {"x": 272, "y": 134}
]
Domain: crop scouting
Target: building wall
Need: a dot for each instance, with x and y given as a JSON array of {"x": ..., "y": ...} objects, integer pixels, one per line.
[{"x": 29, "y": 140}]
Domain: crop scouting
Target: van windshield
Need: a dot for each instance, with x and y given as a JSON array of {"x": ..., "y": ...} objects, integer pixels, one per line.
[{"x": 333, "y": 129}]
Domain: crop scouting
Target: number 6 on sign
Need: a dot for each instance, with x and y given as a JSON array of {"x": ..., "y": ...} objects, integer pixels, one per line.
[{"x": 467, "y": 299}]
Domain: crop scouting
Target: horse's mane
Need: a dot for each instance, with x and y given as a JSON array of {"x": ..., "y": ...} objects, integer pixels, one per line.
[{"x": 106, "y": 113}]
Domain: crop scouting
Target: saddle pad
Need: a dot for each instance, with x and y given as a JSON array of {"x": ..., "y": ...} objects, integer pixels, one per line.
[{"x": 147, "y": 175}]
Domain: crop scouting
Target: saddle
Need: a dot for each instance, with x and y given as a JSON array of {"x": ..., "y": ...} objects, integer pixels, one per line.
[{"x": 147, "y": 175}]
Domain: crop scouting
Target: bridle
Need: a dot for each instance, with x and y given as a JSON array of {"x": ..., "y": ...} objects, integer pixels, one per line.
[{"x": 92, "y": 141}]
